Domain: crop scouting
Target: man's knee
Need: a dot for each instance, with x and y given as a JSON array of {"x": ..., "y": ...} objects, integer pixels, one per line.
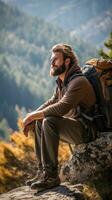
[
  {"x": 49, "y": 121},
  {"x": 38, "y": 125},
  {"x": 38, "y": 122},
  {"x": 49, "y": 126}
]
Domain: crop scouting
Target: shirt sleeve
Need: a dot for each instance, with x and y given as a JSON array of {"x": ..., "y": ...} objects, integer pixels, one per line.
[
  {"x": 50, "y": 101},
  {"x": 71, "y": 98}
]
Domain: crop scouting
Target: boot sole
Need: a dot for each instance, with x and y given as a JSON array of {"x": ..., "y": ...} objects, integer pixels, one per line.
[{"x": 43, "y": 188}]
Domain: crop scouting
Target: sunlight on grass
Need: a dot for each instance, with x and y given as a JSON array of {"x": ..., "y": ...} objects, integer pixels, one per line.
[{"x": 91, "y": 193}]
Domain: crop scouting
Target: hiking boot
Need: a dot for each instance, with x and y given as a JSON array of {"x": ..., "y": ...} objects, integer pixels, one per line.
[
  {"x": 36, "y": 178},
  {"x": 48, "y": 180}
]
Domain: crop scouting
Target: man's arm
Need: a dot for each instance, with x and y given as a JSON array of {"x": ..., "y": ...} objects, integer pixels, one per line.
[
  {"x": 79, "y": 92},
  {"x": 72, "y": 98},
  {"x": 30, "y": 117},
  {"x": 50, "y": 101},
  {"x": 38, "y": 113}
]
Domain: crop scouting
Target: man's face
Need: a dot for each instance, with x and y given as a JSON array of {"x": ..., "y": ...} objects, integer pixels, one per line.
[{"x": 57, "y": 64}]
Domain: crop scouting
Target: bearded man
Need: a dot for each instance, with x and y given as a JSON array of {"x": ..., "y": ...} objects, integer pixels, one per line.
[{"x": 59, "y": 117}]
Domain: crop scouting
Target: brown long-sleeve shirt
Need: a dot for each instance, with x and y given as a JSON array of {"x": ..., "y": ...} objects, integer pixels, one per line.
[{"x": 65, "y": 102}]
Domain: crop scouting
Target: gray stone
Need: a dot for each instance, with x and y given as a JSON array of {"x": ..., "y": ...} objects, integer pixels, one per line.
[
  {"x": 89, "y": 161},
  {"x": 62, "y": 192}
]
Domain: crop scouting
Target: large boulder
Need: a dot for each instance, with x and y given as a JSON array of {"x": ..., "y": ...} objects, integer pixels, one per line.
[{"x": 92, "y": 163}]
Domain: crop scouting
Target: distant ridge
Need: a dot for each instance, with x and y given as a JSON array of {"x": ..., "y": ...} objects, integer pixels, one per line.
[{"x": 91, "y": 20}]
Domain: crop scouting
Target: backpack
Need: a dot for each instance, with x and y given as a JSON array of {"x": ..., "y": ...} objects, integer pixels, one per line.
[
  {"x": 100, "y": 115},
  {"x": 103, "y": 70}
]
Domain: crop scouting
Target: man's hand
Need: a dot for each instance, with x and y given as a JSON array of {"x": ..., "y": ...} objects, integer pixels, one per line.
[
  {"x": 29, "y": 127},
  {"x": 26, "y": 130},
  {"x": 30, "y": 117}
]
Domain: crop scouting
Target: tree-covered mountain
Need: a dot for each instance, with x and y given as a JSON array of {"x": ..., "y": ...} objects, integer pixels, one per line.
[
  {"x": 25, "y": 44},
  {"x": 91, "y": 20}
]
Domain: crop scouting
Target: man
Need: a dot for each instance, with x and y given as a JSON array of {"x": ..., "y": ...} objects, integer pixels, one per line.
[{"x": 59, "y": 118}]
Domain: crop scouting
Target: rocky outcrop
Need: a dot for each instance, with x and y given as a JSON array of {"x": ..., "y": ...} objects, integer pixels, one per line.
[
  {"x": 62, "y": 192},
  {"x": 92, "y": 163}
]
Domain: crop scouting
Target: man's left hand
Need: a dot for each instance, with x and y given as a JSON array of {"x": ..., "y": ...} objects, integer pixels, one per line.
[{"x": 30, "y": 117}]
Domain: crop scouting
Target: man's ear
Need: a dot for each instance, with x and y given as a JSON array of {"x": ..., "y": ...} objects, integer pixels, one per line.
[{"x": 67, "y": 61}]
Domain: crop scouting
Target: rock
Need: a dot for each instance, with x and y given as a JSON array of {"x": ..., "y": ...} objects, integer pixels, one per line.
[
  {"x": 91, "y": 163},
  {"x": 62, "y": 192}
]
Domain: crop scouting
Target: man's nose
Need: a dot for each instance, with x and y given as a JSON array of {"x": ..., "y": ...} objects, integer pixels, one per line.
[
  {"x": 52, "y": 61},
  {"x": 52, "y": 64}
]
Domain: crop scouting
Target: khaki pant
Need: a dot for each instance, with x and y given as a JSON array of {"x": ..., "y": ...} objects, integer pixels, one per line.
[{"x": 50, "y": 131}]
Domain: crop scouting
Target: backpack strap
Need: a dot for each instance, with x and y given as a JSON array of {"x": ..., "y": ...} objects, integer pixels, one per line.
[
  {"x": 103, "y": 72},
  {"x": 74, "y": 76}
]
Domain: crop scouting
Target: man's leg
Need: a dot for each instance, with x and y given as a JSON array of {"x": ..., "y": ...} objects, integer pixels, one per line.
[
  {"x": 54, "y": 129},
  {"x": 37, "y": 138}
]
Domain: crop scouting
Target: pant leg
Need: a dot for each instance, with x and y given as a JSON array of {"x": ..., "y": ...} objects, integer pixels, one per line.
[
  {"x": 37, "y": 137},
  {"x": 54, "y": 129}
]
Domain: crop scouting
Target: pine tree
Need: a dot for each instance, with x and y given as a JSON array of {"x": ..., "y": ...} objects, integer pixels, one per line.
[{"x": 107, "y": 54}]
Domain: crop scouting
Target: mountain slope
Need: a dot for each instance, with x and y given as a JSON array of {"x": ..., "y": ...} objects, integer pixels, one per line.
[{"x": 74, "y": 15}]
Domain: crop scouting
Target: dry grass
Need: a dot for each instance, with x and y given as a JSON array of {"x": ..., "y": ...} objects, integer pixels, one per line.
[{"x": 91, "y": 193}]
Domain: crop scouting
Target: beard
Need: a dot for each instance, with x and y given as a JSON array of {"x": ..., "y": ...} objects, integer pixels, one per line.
[{"x": 55, "y": 71}]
